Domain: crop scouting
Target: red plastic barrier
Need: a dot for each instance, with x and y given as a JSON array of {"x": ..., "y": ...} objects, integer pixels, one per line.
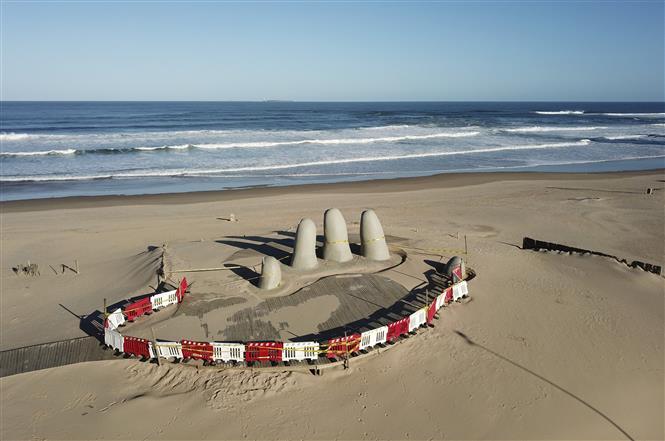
[
  {"x": 449, "y": 295},
  {"x": 137, "y": 346},
  {"x": 196, "y": 350},
  {"x": 431, "y": 311},
  {"x": 180, "y": 292},
  {"x": 339, "y": 347},
  {"x": 263, "y": 351},
  {"x": 395, "y": 329},
  {"x": 457, "y": 274},
  {"x": 137, "y": 309}
]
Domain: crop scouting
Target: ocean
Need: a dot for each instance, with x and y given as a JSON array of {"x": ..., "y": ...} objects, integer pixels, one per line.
[{"x": 56, "y": 149}]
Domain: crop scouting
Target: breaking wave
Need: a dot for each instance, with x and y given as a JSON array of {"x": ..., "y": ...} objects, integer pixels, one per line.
[
  {"x": 560, "y": 112},
  {"x": 621, "y": 137},
  {"x": 15, "y": 136},
  {"x": 643, "y": 115},
  {"x": 195, "y": 172},
  {"x": 550, "y": 129},
  {"x": 41, "y": 153},
  {"x": 254, "y": 144}
]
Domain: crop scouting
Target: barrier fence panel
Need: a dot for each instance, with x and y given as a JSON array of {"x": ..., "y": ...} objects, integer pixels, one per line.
[
  {"x": 449, "y": 295},
  {"x": 460, "y": 291},
  {"x": 164, "y": 299},
  {"x": 114, "y": 339},
  {"x": 417, "y": 319},
  {"x": 169, "y": 349},
  {"x": 138, "y": 347},
  {"x": 264, "y": 351},
  {"x": 197, "y": 350},
  {"x": 373, "y": 337},
  {"x": 137, "y": 309},
  {"x": 307, "y": 350},
  {"x": 180, "y": 292},
  {"x": 431, "y": 310},
  {"x": 457, "y": 274},
  {"x": 395, "y": 329},
  {"x": 115, "y": 319},
  {"x": 228, "y": 352},
  {"x": 440, "y": 300},
  {"x": 339, "y": 347}
]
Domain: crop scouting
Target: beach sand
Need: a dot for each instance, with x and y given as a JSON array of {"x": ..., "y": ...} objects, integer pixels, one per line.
[{"x": 550, "y": 346}]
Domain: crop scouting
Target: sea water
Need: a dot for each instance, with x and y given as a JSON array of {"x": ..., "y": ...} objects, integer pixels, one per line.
[{"x": 53, "y": 149}]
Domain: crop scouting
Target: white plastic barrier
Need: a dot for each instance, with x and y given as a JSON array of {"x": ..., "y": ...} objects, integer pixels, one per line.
[
  {"x": 169, "y": 349},
  {"x": 115, "y": 319},
  {"x": 306, "y": 350},
  {"x": 228, "y": 351},
  {"x": 373, "y": 337},
  {"x": 114, "y": 339},
  {"x": 460, "y": 290},
  {"x": 417, "y": 319},
  {"x": 164, "y": 299},
  {"x": 441, "y": 300}
]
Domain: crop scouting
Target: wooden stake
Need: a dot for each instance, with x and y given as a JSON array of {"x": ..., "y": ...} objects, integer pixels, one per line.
[
  {"x": 76, "y": 265},
  {"x": 54, "y": 270},
  {"x": 346, "y": 357},
  {"x": 105, "y": 313},
  {"x": 466, "y": 251},
  {"x": 154, "y": 345}
]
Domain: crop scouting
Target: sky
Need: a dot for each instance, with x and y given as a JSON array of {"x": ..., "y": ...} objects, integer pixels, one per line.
[{"x": 333, "y": 51}]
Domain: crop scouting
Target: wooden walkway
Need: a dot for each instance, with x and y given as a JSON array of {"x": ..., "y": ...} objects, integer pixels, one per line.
[{"x": 48, "y": 355}]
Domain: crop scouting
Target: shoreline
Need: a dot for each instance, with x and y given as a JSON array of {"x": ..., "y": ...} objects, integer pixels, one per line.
[{"x": 399, "y": 184}]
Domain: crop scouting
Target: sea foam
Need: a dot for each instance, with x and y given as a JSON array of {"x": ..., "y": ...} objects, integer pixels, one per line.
[
  {"x": 203, "y": 172},
  {"x": 560, "y": 112}
]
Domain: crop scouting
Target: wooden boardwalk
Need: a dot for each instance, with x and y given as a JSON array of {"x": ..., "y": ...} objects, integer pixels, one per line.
[{"x": 48, "y": 355}]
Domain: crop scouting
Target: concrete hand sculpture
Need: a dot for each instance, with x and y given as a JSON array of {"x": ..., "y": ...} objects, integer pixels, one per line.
[
  {"x": 304, "y": 250},
  {"x": 271, "y": 273},
  {"x": 336, "y": 237},
  {"x": 372, "y": 240}
]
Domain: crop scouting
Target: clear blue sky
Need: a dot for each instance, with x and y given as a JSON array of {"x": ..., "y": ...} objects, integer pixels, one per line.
[{"x": 593, "y": 50}]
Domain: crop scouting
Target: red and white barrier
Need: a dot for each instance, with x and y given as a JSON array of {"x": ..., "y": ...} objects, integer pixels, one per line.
[
  {"x": 115, "y": 319},
  {"x": 138, "y": 347},
  {"x": 440, "y": 300},
  {"x": 164, "y": 299},
  {"x": 180, "y": 292},
  {"x": 373, "y": 337},
  {"x": 263, "y": 351},
  {"x": 307, "y": 350},
  {"x": 448, "y": 295},
  {"x": 228, "y": 352},
  {"x": 339, "y": 347},
  {"x": 431, "y": 311},
  {"x": 114, "y": 339},
  {"x": 136, "y": 309},
  {"x": 460, "y": 291},
  {"x": 395, "y": 329},
  {"x": 196, "y": 350},
  {"x": 169, "y": 350},
  {"x": 417, "y": 319}
]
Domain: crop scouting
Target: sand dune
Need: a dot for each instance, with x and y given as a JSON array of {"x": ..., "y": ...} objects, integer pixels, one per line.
[{"x": 550, "y": 346}]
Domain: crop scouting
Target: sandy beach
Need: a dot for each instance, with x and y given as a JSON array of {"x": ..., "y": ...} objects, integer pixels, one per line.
[{"x": 550, "y": 346}]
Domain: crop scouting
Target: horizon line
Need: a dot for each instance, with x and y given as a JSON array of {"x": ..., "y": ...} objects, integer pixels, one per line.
[{"x": 331, "y": 101}]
